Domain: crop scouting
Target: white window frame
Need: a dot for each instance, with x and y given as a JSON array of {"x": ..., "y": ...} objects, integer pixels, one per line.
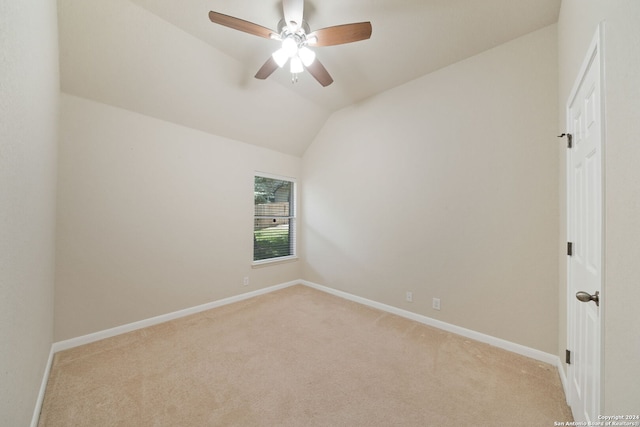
[{"x": 293, "y": 219}]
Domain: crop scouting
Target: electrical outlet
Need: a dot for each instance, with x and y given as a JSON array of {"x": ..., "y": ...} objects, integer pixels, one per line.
[
  {"x": 409, "y": 296},
  {"x": 245, "y": 281},
  {"x": 436, "y": 304}
]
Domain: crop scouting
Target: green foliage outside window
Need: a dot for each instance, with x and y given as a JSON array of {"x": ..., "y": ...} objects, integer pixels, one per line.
[
  {"x": 273, "y": 233},
  {"x": 271, "y": 243}
]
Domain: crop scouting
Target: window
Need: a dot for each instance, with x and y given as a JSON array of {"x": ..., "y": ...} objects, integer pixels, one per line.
[{"x": 274, "y": 224}]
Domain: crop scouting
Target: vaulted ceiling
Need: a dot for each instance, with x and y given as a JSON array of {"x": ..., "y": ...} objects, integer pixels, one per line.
[{"x": 165, "y": 59}]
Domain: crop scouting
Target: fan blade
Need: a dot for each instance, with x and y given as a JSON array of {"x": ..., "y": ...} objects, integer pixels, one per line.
[
  {"x": 317, "y": 70},
  {"x": 293, "y": 13},
  {"x": 240, "y": 25},
  {"x": 341, "y": 34},
  {"x": 267, "y": 69}
]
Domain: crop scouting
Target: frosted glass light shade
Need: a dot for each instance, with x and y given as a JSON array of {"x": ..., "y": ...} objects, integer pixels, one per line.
[
  {"x": 296, "y": 65},
  {"x": 307, "y": 56},
  {"x": 281, "y": 57},
  {"x": 290, "y": 46}
]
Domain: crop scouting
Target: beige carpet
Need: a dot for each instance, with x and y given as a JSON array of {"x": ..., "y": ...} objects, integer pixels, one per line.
[{"x": 298, "y": 357}]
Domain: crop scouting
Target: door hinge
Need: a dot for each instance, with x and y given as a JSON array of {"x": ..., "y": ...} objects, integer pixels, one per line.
[
  {"x": 569, "y": 139},
  {"x": 567, "y": 357},
  {"x": 570, "y": 248}
]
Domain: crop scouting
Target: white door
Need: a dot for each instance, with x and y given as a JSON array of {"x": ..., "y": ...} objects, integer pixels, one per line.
[{"x": 585, "y": 232}]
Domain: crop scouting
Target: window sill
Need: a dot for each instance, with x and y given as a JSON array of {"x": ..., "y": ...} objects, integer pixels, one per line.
[{"x": 273, "y": 261}]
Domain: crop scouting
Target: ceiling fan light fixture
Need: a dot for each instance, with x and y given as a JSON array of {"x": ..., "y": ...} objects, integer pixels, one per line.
[
  {"x": 281, "y": 57},
  {"x": 290, "y": 47},
  {"x": 296, "y": 65},
  {"x": 307, "y": 56},
  {"x": 295, "y": 36}
]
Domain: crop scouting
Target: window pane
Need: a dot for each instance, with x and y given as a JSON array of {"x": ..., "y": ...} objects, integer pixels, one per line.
[
  {"x": 274, "y": 225},
  {"x": 273, "y": 241},
  {"x": 272, "y": 197}
]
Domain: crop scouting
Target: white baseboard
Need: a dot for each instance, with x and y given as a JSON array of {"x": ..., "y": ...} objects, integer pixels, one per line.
[
  {"x": 96, "y": 336},
  {"x": 563, "y": 379},
  {"x": 86, "y": 339},
  {"x": 488, "y": 339},
  {"x": 43, "y": 386},
  {"x": 468, "y": 333},
  {"x": 478, "y": 336},
  {"x": 522, "y": 350}
]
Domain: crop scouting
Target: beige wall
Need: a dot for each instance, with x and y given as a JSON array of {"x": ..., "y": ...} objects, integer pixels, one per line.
[
  {"x": 447, "y": 187},
  {"x": 152, "y": 217},
  {"x": 621, "y": 291},
  {"x": 28, "y": 134}
]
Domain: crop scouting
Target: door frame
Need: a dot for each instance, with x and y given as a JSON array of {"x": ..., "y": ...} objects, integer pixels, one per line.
[{"x": 595, "y": 47}]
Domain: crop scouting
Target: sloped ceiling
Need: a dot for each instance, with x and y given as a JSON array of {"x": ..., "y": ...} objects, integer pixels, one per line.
[{"x": 165, "y": 59}]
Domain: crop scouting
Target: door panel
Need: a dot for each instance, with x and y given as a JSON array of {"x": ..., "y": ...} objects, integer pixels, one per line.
[{"x": 584, "y": 227}]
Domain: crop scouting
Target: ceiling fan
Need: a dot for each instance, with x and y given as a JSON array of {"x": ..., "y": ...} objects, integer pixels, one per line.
[{"x": 295, "y": 35}]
